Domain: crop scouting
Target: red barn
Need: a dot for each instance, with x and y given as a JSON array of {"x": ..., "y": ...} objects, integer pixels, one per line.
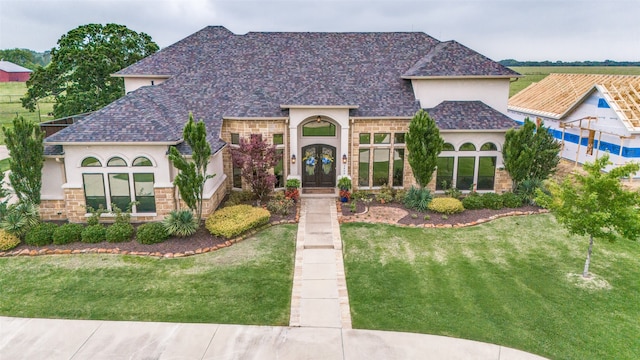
[{"x": 12, "y": 72}]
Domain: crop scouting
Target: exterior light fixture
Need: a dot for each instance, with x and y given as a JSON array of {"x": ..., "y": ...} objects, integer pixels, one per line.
[
  {"x": 344, "y": 158},
  {"x": 293, "y": 158},
  {"x": 318, "y": 119}
]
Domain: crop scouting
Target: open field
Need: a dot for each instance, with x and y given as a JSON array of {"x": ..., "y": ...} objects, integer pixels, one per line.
[
  {"x": 10, "y": 106},
  {"x": 514, "y": 282},
  {"x": 247, "y": 283},
  {"x": 537, "y": 73}
]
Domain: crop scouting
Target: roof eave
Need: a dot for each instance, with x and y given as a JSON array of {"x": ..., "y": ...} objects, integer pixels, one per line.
[
  {"x": 285, "y": 106},
  {"x": 535, "y": 112},
  {"x": 112, "y": 143},
  {"x": 153, "y": 76},
  {"x": 446, "y": 77}
]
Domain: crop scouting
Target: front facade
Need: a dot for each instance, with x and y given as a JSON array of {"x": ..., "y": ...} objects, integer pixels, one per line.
[
  {"x": 591, "y": 115},
  {"x": 333, "y": 104}
]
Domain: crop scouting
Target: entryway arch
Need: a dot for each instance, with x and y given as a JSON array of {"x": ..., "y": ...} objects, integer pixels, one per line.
[{"x": 319, "y": 141}]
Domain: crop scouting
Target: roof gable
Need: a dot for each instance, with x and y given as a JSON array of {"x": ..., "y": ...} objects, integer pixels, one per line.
[
  {"x": 469, "y": 115},
  {"x": 10, "y": 67},
  {"x": 452, "y": 59}
]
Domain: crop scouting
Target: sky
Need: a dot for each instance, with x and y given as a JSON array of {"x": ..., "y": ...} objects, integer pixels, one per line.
[{"x": 565, "y": 30}]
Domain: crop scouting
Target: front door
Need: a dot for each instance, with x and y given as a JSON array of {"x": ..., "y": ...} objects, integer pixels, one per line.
[{"x": 319, "y": 166}]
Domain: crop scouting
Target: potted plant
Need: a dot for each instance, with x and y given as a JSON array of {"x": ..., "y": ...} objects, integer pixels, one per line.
[
  {"x": 292, "y": 189},
  {"x": 344, "y": 184}
]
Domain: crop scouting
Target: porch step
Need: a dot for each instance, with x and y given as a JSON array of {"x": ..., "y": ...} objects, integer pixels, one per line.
[
  {"x": 318, "y": 246},
  {"x": 316, "y": 191}
]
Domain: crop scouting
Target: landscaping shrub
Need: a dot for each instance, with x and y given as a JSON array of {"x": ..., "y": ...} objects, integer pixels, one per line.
[
  {"x": 94, "y": 219},
  {"x": 492, "y": 201},
  {"x": 418, "y": 198},
  {"x": 527, "y": 189},
  {"x": 19, "y": 218},
  {"x": 512, "y": 200},
  {"x": 239, "y": 197},
  {"x": 473, "y": 201},
  {"x": 400, "y": 196},
  {"x": 7, "y": 240},
  {"x": 119, "y": 232},
  {"x": 152, "y": 233},
  {"x": 280, "y": 205},
  {"x": 181, "y": 223},
  {"x": 235, "y": 220},
  {"x": 385, "y": 195},
  {"x": 446, "y": 205},
  {"x": 359, "y": 194},
  {"x": 67, "y": 233},
  {"x": 93, "y": 234},
  {"x": 41, "y": 234}
]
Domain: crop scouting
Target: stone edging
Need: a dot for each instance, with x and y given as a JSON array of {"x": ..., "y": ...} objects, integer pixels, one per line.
[
  {"x": 342, "y": 219},
  {"x": 45, "y": 251}
]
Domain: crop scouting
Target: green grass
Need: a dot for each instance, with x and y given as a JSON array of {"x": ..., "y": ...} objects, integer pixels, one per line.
[
  {"x": 508, "y": 282},
  {"x": 4, "y": 165},
  {"x": 10, "y": 106},
  {"x": 536, "y": 73},
  {"x": 247, "y": 283}
]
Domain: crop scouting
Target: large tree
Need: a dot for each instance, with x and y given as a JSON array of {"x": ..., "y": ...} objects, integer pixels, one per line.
[
  {"x": 193, "y": 174},
  {"x": 25, "y": 144},
  {"x": 530, "y": 152},
  {"x": 596, "y": 204},
  {"x": 79, "y": 75},
  {"x": 256, "y": 158},
  {"x": 424, "y": 144}
]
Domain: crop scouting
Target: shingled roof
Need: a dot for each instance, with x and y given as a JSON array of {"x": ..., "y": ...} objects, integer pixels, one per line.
[
  {"x": 469, "y": 115},
  {"x": 216, "y": 74}
]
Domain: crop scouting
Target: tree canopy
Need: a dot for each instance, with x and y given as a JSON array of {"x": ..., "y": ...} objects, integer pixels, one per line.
[
  {"x": 530, "y": 152},
  {"x": 424, "y": 144},
  {"x": 79, "y": 75},
  {"x": 25, "y": 57},
  {"x": 193, "y": 174},
  {"x": 596, "y": 203},
  {"x": 256, "y": 158},
  {"x": 26, "y": 150}
]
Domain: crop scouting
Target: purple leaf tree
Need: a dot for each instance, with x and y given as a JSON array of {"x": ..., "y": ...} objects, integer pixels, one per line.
[{"x": 256, "y": 158}]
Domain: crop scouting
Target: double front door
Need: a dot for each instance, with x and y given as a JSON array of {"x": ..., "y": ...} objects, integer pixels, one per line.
[{"x": 319, "y": 166}]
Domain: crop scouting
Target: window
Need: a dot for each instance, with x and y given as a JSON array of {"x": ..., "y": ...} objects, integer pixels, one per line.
[
  {"x": 91, "y": 161},
  {"x": 278, "y": 170},
  {"x": 105, "y": 187},
  {"x": 488, "y": 147},
  {"x": 448, "y": 147},
  {"x": 237, "y": 177},
  {"x": 468, "y": 147},
  {"x": 278, "y": 139},
  {"x": 142, "y": 161},
  {"x": 486, "y": 172},
  {"x": 380, "y": 167},
  {"x": 444, "y": 174},
  {"x": 466, "y": 170},
  {"x": 235, "y": 139},
  {"x": 116, "y": 161},
  {"x": 318, "y": 128},
  {"x": 363, "y": 168},
  {"x": 143, "y": 186},
  {"x": 381, "y": 162},
  {"x": 398, "y": 167},
  {"x": 94, "y": 191}
]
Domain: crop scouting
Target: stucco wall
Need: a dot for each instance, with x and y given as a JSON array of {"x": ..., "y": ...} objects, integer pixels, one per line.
[
  {"x": 134, "y": 83},
  {"x": 431, "y": 92}
]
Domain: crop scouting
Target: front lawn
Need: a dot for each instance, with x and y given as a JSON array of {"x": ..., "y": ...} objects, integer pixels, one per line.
[
  {"x": 247, "y": 283},
  {"x": 511, "y": 282}
]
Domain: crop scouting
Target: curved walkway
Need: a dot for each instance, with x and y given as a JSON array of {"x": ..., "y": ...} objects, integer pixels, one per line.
[{"x": 320, "y": 324}]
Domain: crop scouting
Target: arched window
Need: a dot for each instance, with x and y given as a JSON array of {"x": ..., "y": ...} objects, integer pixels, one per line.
[
  {"x": 116, "y": 161},
  {"x": 489, "y": 147},
  {"x": 448, "y": 147},
  {"x": 319, "y": 128},
  {"x": 142, "y": 161},
  {"x": 467, "y": 147},
  {"x": 91, "y": 162}
]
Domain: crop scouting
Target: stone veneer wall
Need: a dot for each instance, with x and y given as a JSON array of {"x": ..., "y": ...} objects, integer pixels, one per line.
[
  {"x": 75, "y": 205},
  {"x": 503, "y": 182},
  {"x": 211, "y": 204},
  {"x": 53, "y": 210},
  {"x": 246, "y": 127},
  {"x": 377, "y": 126}
]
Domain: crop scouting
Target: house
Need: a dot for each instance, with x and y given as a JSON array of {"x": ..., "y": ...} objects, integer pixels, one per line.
[
  {"x": 13, "y": 72},
  {"x": 590, "y": 114},
  {"x": 333, "y": 104}
]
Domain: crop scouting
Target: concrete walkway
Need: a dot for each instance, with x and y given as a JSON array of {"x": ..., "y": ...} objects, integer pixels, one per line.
[
  {"x": 320, "y": 323},
  {"x": 319, "y": 296},
  {"x": 86, "y": 339}
]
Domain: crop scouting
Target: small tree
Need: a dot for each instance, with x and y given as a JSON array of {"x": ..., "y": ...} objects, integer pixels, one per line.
[
  {"x": 424, "y": 144},
  {"x": 530, "y": 152},
  {"x": 193, "y": 174},
  {"x": 256, "y": 158},
  {"x": 595, "y": 204},
  {"x": 25, "y": 145}
]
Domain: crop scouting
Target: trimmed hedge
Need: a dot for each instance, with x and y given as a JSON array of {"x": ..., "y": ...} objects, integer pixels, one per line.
[
  {"x": 119, "y": 232},
  {"x": 235, "y": 220},
  {"x": 492, "y": 201},
  {"x": 93, "y": 234},
  {"x": 67, "y": 233},
  {"x": 473, "y": 201},
  {"x": 152, "y": 233},
  {"x": 41, "y": 234},
  {"x": 7, "y": 240},
  {"x": 446, "y": 205}
]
